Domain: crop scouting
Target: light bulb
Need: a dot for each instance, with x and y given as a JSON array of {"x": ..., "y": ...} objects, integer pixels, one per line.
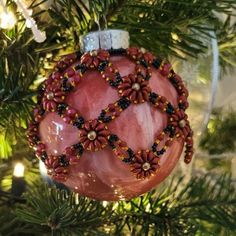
[
  {"x": 7, "y": 20},
  {"x": 19, "y": 170}
]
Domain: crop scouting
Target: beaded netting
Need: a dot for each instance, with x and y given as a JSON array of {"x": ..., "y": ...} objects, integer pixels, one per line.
[{"x": 94, "y": 134}]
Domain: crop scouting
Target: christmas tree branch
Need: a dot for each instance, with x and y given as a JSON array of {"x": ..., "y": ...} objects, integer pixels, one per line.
[
  {"x": 176, "y": 210},
  {"x": 220, "y": 128}
]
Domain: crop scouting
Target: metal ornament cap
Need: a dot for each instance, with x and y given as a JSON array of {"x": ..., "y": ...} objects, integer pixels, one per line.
[{"x": 105, "y": 39}]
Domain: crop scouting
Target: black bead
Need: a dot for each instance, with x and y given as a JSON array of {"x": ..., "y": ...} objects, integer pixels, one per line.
[
  {"x": 147, "y": 77},
  {"x": 130, "y": 152},
  {"x": 67, "y": 88},
  {"x": 156, "y": 63},
  {"x": 161, "y": 152},
  {"x": 113, "y": 83},
  {"x": 63, "y": 161},
  {"x": 154, "y": 147},
  {"x": 64, "y": 81},
  {"x": 168, "y": 129},
  {"x": 153, "y": 97},
  {"x": 123, "y": 103},
  {"x": 102, "y": 66},
  {"x": 44, "y": 156},
  {"x": 144, "y": 63},
  {"x": 41, "y": 112},
  {"x": 35, "y": 139},
  {"x": 127, "y": 160},
  {"x": 172, "y": 132},
  {"x": 78, "y": 54},
  {"x": 118, "y": 51},
  {"x": 181, "y": 106},
  {"x": 107, "y": 119},
  {"x": 102, "y": 115},
  {"x": 118, "y": 78},
  {"x": 79, "y": 122},
  {"x": 80, "y": 67},
  {"x": 39, "y": 99},
  {"x": 41, "y": 89},
  {"x": 113, "y": 138},
  {"x": 61, "y": 107},
  {"x": 174, "y": 81},
  {"x": 79, "y": 148},
  {"x": 117, "y": 81},
  {"x": 170, "y": 109}
]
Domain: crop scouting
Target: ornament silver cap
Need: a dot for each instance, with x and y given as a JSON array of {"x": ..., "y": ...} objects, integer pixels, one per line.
[{"x": 105, "y": 39}]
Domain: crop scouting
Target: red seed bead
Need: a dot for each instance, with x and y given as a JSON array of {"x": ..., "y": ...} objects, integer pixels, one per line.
[
  {"x": 56, "y": 75},
  {"x": 70, "y": 72},
  {"x": 41, "y": 147},
  {"x": 165, "y": 70}
]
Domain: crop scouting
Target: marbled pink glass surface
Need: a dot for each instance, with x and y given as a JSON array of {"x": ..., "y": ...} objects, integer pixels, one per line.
[{"x": 101, "y": 175}]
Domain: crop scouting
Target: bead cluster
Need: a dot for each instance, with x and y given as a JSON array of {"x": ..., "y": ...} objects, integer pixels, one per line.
[{"x": 94, "y": 134}]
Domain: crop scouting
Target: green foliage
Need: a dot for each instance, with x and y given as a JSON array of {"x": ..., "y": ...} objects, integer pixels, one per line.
[
  {"x": 227, "y": 43},
  {"x": 204, "y": 206},
  {"x": 170, "y": 27},
  {"x": 220, "y": 135}
]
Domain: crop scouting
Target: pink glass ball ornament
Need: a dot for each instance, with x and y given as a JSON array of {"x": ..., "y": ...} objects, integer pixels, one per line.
[{"x": 111, "y": 124}]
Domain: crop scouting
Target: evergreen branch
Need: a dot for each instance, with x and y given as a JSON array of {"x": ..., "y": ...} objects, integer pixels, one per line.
[
  {"x": 160, "y": 20},
  {"x": 178, "y": 210},
  {"x": 220, "y": 127}
]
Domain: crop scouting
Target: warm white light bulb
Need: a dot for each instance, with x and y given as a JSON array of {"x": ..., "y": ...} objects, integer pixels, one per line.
[
  {"x": 104, "y": 203},
  {"x": 19, "y": 170},
  {"x": 7, "y": 20}
]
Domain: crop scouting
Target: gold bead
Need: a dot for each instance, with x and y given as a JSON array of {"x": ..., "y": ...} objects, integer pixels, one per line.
[
  {"x": 143, "y": 50},
  {"x": 136, "y": 86},
  {"x": 146, "y": 166},
  {"x": 50, "y": 95},
  {"x": 92, "y": 135},
  {"x": 50, "y": 171},
  {"x": 94, "y": 53},
  {"x": 182, "y": 123}
]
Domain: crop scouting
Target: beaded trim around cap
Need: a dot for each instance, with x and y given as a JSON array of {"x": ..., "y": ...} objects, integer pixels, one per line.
[{"x": 94, "y": 134}]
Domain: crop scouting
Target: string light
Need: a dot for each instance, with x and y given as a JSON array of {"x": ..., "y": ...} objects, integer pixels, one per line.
[
  {"x": 7, "y": 18},
  {"x": 18, "y": 185},
  {"x": 19, "y": 170},
  {"x": 39, "y": 36}
]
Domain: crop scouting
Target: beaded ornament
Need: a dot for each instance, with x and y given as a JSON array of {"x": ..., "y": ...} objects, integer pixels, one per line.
[{"x": 94, "y": 134}]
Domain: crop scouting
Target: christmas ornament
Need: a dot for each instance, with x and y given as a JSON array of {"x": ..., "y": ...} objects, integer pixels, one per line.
[{"x": 110, "y": 123}]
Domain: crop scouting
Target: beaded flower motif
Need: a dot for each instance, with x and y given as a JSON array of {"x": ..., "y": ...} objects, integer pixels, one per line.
[
  {"x": 145, "y": 164},
  {"x": 135, "y": 87},
  {"x": 52, "y": 97},
  {"x": 94, "y": 135},
  {"x": 57, "y": 167},
  {"x": 180, "y": 121}
]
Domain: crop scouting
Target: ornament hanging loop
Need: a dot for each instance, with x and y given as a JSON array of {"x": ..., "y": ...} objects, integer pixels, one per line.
[
  {"x": 97, "y": 21},
  {"x": 99, "y": 13}
]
